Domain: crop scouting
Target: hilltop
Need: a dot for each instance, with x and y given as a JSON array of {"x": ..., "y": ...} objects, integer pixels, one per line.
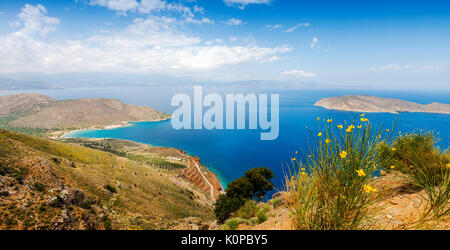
[
  {"x": 372, "y": 104},
  {"x": 35, "y": 111},
  {"x": 47, "y": 184}
]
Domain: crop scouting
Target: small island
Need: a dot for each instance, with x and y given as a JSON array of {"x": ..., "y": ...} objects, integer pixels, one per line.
[{"x": 373, "y": 104}]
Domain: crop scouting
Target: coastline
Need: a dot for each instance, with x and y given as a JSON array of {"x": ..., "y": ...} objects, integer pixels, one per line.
[
  {"x": 218, "y": 184},
  {"x": 65, "y": 134}
]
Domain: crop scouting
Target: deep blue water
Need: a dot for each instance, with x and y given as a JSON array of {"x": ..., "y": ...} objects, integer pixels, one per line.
[{"x": 229, "y": 153}]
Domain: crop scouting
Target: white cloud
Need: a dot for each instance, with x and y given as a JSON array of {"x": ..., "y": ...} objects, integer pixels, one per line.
[
  {"x": 315, "y": 43},
  {"x": 241, "y": 4},
  {"x": 300, "y": 25},
  {"x": 34, "y": 19},
  {"x": 408, "y": 67},
  {"x": 391, "y": 67},
  {"x": 432, "y": 68},
  {"x": 155, "y": 44},
  {"x": 273, "y": 27},
  {"x": 298, "y": 73},
  {"x": 117, "y": 5},
  {"x": 123, "y": 7},
  {"x": 234, "y": 22}
]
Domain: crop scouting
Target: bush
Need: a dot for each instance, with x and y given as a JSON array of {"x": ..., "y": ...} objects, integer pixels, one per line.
[
  {"x": 111, "y": 189},
  {"x": 416, "y": 156},
  {"x": 276, "y": 202},
  {"x": 262, "y": 216},
  {"x": 233, "y": 224},
  {"x": 248, "y": 211},
  {"x": 39, "y": 187},
  {"x": 331, "y": 190}
]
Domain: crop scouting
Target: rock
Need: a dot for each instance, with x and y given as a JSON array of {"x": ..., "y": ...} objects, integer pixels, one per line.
[{"x": 73, "y": 196}]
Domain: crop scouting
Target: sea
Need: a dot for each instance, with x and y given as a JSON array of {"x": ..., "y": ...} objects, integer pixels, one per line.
[{"x": 229, "y": 153}]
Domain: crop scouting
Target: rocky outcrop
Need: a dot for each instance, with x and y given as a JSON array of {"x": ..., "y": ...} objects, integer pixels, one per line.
[{"x": 372, "y": 104}]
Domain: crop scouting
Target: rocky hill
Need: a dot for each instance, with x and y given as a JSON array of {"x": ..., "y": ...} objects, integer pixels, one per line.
[
  {"x": 41, "y": 112},
  {"x": 372, "y": 104},
  {"x": 18, "y": 104},
  {"x": 46, "y": 184}
]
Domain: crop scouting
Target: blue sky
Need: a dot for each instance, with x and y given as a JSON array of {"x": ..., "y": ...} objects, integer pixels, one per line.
[{"x": 334, "y": 44}]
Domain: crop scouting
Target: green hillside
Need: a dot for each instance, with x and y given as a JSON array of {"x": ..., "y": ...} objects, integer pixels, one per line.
[{"x": 46, "y": 184}]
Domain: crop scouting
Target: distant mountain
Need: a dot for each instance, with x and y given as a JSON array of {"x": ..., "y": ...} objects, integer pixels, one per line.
[
  {"x": 372, "y": 104},
  {"x": 9, "y": 84},
  {"x": 18, "y": 104},
  {"x": 38, "y": 111}
]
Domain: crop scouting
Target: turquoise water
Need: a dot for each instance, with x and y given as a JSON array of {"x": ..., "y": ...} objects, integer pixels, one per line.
[{"x": 229, "y": 153}]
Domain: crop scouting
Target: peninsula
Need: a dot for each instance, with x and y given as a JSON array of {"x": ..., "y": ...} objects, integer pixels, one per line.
[{"x": 373, "y": 104}]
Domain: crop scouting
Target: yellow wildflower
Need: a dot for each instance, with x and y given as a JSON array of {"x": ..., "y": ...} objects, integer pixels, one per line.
[
  {"x": 296, "y": 152},
  {"x": 363, "y": 115},
  {"x": 394, "y": 149},
  {"x": 361, "y": 173},
  {"x": 318, "y": 118},
  {"x": 360, "y": 126},
  {"x": 448, "y": 165},
  {"x": 294, "y": 159},
  {"x": 392, "y": 167},
  {"x": 343, "y": 154},
  {"x": 327, "y": 141},
  {"x": 320, "y": 134},
  {"x": 387, "y": 130},
  {"x": 330, "y": 120},
  {"x": 340, "y": 126},
  {"x": 364, "y": 119},
  {"x": 382, "y": 172},
  {"x": 350, "y": 128},
  {"x": 368, "y": 189}
]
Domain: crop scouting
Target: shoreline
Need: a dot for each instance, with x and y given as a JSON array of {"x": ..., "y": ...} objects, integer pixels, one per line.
[
  {"x": 193, "y": 158},
  {"x": 108, "y": 127}
]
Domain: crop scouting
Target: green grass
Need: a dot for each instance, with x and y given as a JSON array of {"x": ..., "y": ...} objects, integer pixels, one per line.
[
  {"x": 5, "y": 124},
  {"x": 426, "y": 166}
]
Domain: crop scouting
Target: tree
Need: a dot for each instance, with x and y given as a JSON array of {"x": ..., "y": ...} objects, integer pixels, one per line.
[
  {"x": 226, "y": 205},
  {"x": 260, "y": 180},
  {"x": 255, "y": 182}
]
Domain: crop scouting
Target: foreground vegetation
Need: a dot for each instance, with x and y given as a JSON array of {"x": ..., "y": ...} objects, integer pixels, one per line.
[
  {"x": 332, "y": 189},
  {"x": 349, "y": 178}
]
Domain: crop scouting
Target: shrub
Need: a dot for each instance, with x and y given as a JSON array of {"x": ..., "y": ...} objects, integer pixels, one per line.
[
  {"x": 39, "y": 187},
  {"x": 248, "y": 211},
  {"x": 276, "y": 202},
  {"x": 262, "y": 216},
  {"x": 331, "y": 190},
  {"x": 111, "y": 189},
  {"x": 233, "y": 224},
  {"x": 416, "y": 156}
]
